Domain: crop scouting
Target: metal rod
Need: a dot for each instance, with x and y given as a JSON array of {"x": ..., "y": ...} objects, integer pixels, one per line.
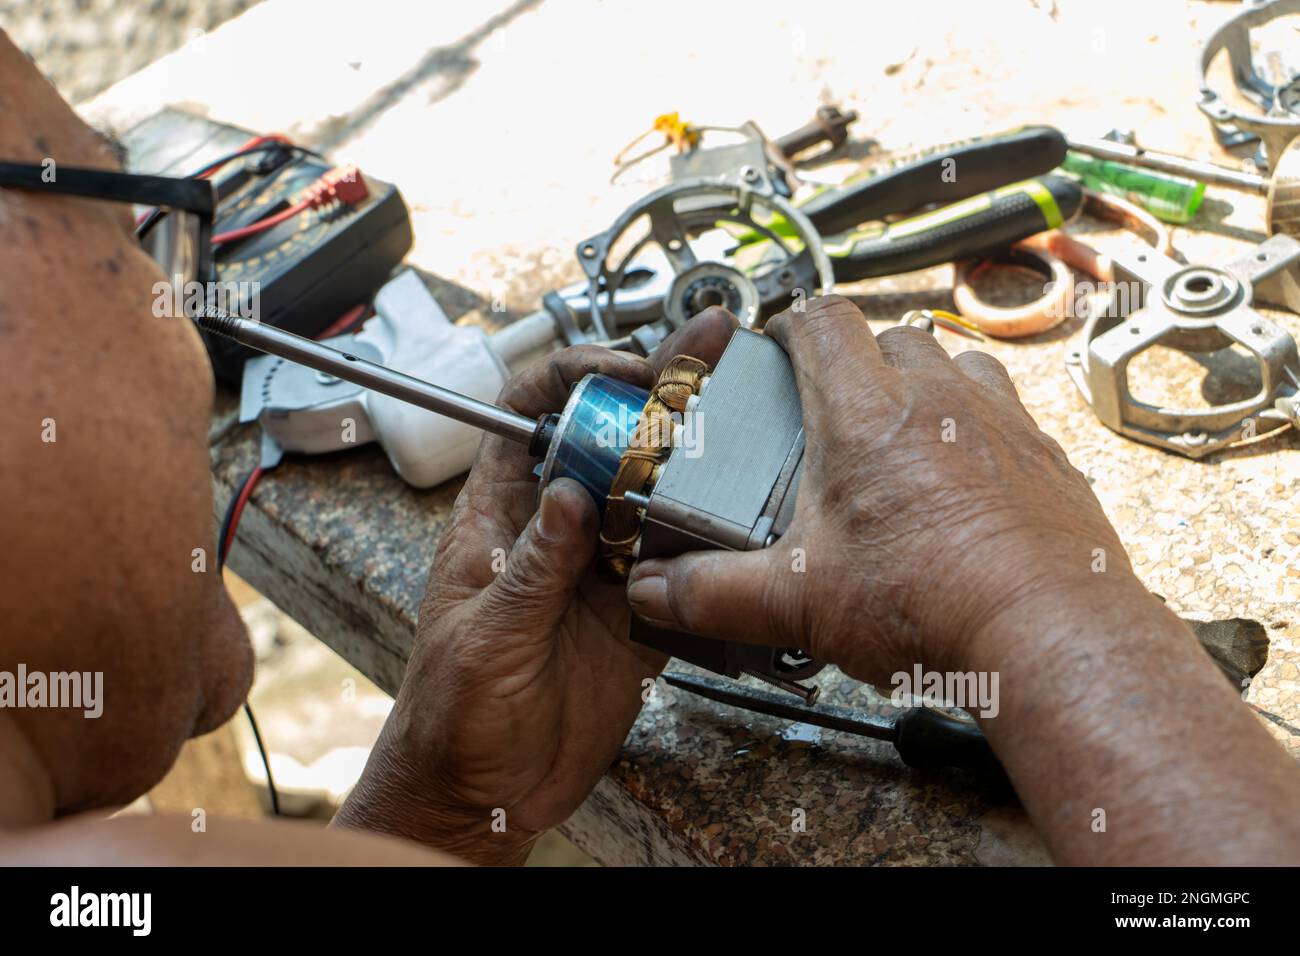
[
  {"x": 353, "y": 368},
  {"x": 1196, "y": 169},
  {"x": 864, "y": 724}
]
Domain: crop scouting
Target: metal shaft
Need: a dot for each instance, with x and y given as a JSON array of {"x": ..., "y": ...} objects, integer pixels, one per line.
[
  {"x": 864, "y": 724},
  {"x": 1196, "y": 169},
  {"x": 353, "y": 368}
]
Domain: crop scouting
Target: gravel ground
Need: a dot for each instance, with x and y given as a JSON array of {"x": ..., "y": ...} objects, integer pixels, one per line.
[{"x": 85, "y": 46}]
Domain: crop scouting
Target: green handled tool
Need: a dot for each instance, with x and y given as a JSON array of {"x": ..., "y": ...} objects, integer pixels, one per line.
[
  {"x": 989, "y": 200},
  {"x": 970, "y": 229},
  {"x": 944, "y": 174},
  {"x": 923, "y": 737}
]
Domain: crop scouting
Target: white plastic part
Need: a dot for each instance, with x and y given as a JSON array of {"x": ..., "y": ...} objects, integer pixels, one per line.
[
  {"x": 314, "y": 431},
  {"x": 417, "y": 338},
  {"x": 522, "y": 343}
]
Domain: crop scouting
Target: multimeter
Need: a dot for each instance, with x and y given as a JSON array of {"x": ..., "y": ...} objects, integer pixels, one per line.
[{"x": 305, "y": 272}]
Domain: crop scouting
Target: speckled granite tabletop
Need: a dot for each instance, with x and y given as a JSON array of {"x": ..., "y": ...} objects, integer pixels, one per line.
[
  {"x": 1217, "y": 538},
  {"x": 343, "y": 545}
]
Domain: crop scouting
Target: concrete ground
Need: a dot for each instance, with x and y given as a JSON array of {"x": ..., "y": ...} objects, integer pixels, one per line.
[{"x": 85, "y": 46}]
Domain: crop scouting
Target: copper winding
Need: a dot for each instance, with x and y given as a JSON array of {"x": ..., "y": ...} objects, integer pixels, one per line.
[
  {"x": 1079, "y": 255},
  {"x": 1055, "y": 249},
  {"x": 651, "y": 442},
  {"x": 1020, "y": 320}
]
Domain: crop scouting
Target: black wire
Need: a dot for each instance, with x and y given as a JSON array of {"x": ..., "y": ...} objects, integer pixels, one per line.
[
  {"x": 261, "y": 148},
  {"x": 248, "y": 710},
  {"x": 261, "y": 749},
  {"x": 158, "y": 212},
  {"x": 150, "y": 221},
  {"x": 229, "y": 516}
]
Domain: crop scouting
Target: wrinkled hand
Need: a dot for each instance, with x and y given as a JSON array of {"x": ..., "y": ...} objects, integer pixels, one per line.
[
  {"x": 930, "y": 505},
  {"x": 522, "y": 683}
]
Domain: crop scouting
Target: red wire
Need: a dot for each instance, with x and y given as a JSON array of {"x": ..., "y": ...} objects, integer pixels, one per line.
[
  {"x": 262, "y": 224},
  {"x": 251, "y": 144},
  {"x": 244, "y": 494},
  {"x": 246, "y": 491},
  {"x": 207, "y": 171},
  {"x": 343, "y": 322},
  {"x": 342, "y": 185}
]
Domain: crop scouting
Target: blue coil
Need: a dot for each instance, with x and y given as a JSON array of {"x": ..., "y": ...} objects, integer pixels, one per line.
[{"x": 596, "y": 429}]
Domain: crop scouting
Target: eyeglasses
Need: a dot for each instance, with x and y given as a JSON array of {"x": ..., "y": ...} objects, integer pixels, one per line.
[{"x": 180, "y": 242}]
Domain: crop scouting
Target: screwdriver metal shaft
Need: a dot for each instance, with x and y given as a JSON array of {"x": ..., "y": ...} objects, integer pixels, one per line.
[
  {"x": 1175, "y": 165},
  {"x": 923, "y": 736},
  {"x": 353, "y": 368}
]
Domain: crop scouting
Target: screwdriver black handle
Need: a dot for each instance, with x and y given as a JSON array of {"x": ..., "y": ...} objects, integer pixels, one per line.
[
  {"x": 929, "y": 738},
  {"x": 975, "y": 227},
  {"x": 944, "y": 175}
]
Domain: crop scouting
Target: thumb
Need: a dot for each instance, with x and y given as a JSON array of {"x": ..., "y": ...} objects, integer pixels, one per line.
[
  {"x": 723, "y": 594},
  {"x": 547, "y": 561}
]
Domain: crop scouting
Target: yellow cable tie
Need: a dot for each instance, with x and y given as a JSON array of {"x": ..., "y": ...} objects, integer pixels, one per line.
[{"x": 680, "y": 133}]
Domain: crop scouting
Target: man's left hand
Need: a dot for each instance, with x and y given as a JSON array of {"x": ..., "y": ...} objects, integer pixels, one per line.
[{"x": 522, "y": 683}]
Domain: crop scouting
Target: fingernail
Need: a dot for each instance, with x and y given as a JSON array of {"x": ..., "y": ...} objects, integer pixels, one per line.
[
  {"x": 648, "y": 595},
  {"x": 550, "y": 515}
]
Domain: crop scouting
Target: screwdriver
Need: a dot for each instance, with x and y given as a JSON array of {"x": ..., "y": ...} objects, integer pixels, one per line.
[
  {"x": 924, "y": 737},
  {"x": 536, "y": 435},
  {"x": 1282, "y": 189},
  {"x": 1200, "y": 170}
]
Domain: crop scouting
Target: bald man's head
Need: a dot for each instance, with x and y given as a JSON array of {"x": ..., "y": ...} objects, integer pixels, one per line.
[{"x": 104, "y": 478}]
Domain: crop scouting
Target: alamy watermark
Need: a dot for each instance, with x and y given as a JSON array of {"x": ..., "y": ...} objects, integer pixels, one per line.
[
  {"x": 179, "y": 298},
  {"x": 1102, "y": 299},
  {"x": 76, "y": 908},
  {"x": 970, "y": 690},
  {"x": 684, "y": 431},
  {"x": 75, "y": 690}
]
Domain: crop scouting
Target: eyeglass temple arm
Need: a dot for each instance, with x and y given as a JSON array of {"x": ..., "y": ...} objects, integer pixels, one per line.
[{"x": 189, "y": 195}]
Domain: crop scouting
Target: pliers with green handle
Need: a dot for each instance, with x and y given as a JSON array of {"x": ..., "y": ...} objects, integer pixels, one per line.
[{"x": 994, "y": 193}]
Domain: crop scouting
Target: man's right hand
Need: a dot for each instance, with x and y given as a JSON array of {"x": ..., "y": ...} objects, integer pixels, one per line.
[
  {"x": 939, "y": 526},
  {"x": 930, "y": 507}
]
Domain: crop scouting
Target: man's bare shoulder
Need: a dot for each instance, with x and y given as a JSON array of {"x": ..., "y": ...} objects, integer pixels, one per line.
[{"x": 170, "y": 840}]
